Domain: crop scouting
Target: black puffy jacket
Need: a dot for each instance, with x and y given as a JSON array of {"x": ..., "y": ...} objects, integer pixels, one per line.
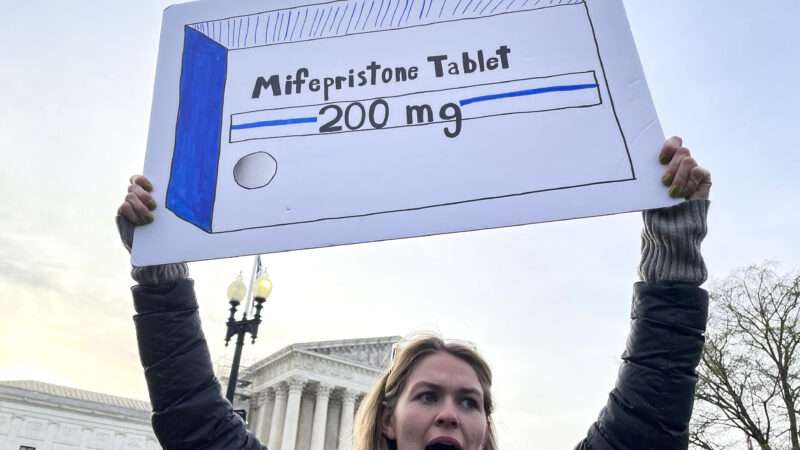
[
  {"x": 648, "y": 409},
  {"x": 651, "y": 404}
]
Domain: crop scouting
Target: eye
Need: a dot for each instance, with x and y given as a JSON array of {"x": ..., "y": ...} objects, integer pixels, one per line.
[
  {"x": 427, "y": 397},
  {"x": 469, "y": 403}
]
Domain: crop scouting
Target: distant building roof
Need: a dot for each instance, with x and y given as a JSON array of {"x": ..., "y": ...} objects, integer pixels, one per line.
[
  {"x": 373, "y": 353},
  {"x": 77, "y": 394}
]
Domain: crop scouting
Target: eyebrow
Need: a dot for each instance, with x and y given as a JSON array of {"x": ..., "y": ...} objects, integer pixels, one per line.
[{"x": 437, "y": 387}]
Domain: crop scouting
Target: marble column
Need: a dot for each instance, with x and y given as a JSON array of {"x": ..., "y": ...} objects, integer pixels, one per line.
[
  {"x": 332, "y": 429},
  {"x": 256, "y": 404},
  {"x": 16, "y": 424},
  {"x": 292, "y": 412},
  {"x": 266, "y": 400},
  {"x": 320, "y": 417},
  {"x": 86, "y": 437},
  {"x": 119, "y": 441},
  {"x": 346, "y": 424},
  {"x": 50, "y": 436},
  {"x": 306, "y": 422},
  {"x": 277, "y": 414}
]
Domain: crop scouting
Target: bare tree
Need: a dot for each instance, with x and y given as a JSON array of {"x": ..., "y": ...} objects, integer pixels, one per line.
[{"x": 749, "y": 377}]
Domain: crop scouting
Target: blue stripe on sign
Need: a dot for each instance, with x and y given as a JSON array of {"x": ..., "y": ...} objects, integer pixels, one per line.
[
  {"x": 193, "y": 176},
  {"x": 543, "y": 90},
  {"x": 272, "y": 123}
]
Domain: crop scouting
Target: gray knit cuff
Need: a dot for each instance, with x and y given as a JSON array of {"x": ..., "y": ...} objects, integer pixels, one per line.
[
  {"x": 150, "y": 275},
  {"x": 671, "y": 241}
]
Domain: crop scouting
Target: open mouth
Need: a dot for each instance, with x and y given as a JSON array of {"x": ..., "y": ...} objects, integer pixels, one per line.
[{"x": 443, "y": 444}]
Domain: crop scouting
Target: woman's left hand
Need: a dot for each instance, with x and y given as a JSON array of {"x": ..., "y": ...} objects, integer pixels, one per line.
[{"x": 684, "y": 177}]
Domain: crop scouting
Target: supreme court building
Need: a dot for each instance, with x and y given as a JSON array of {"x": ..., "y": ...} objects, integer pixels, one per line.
[
  {"x": 304, "y": 397},
  {"x": 43, "y": 416}
]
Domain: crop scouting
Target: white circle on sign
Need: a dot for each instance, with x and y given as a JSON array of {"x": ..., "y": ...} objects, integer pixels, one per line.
[{"x": 255, "y": 170}]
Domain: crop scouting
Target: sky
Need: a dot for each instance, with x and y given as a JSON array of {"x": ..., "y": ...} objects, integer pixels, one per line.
[{"x": 546, "y": 304}]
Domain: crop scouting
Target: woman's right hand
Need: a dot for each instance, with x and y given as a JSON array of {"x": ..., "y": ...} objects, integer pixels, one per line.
[
  {"x": 138, "y": 204},
  {"x": 137, "y": 209}
]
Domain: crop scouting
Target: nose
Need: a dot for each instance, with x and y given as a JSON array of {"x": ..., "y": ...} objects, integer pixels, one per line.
[{"x": 447, "y": 416}]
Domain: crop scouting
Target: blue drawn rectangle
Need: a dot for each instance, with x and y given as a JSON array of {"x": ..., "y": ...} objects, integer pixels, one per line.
[{"x": 193, "y": 177}]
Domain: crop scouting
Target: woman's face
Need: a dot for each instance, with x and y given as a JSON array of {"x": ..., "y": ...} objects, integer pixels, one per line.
[{"x": 442, "y": 403}]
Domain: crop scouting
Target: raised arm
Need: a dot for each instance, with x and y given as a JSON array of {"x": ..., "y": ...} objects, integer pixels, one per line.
[
  {"x": 651, "y": 404},
  {"x": 189, "y": 412}
]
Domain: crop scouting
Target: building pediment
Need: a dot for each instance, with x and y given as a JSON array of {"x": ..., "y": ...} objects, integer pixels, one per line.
[{"x": 374, "y": 352}]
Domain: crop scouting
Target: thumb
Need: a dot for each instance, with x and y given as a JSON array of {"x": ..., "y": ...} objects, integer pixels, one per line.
[
  {"x": 701, "y": 178},
  {"x": 125, "y": 229}
]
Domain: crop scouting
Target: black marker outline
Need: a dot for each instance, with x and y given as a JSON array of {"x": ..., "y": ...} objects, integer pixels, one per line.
[
  {"x": 599, "y": 57},
  {"x": 419, "y": 208},
  {"x": 196, "y": 25},
  {"x": 251, "y": 154}
]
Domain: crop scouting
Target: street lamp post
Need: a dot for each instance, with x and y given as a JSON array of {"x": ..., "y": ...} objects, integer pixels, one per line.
[{"x": 238, "y": 328}]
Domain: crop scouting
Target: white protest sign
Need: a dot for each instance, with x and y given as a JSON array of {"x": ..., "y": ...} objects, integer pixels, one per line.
[{"x": 281, "y": 125}]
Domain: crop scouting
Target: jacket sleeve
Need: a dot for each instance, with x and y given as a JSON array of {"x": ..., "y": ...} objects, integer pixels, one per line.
[
  {"x": 651, "y": 403},
  {"x": 189, "y": 412}
]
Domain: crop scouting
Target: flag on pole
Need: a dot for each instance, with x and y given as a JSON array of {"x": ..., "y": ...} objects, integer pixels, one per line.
[
  {"x": 259, "y": 267},
  {"x": 257, "y": 270}
]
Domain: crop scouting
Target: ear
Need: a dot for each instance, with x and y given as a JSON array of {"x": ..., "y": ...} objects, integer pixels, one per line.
[{"x": 387, "y": 425}]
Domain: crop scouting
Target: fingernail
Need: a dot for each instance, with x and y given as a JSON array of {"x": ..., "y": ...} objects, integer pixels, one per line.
[
  {"x": 675, "y": 192},
  {"x": 663, "y": 159},
  {"x": 148, "y": 219},
  {"x": 151, "y": 204},
  {"x": 148, "y": 187},
  {"x": 666, "y": 179}
]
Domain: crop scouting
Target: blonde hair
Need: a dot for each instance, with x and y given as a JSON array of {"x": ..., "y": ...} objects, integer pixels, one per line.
[{"x": 368, "y": 432}]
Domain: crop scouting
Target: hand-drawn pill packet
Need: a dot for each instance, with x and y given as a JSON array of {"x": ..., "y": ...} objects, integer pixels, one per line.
[{"x": 395, "y": 110}]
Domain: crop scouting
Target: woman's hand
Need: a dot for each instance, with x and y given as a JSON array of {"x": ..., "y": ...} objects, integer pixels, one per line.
[
  {"x": 134, "y": 211},
  {"x": 684, "y": 177},
  {"x": 139, "y": 204}
]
